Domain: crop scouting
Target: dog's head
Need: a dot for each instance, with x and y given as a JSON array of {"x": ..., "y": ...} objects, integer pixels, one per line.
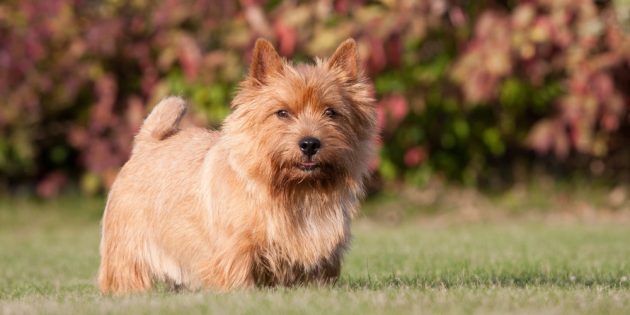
[{"x": 302, "y": 125}]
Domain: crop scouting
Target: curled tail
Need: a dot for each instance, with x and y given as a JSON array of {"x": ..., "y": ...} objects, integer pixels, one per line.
[{"x": 164, "y": 119}]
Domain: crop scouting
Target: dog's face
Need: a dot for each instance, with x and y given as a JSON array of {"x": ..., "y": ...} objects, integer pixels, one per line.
[{"x": 305, "y": 125}]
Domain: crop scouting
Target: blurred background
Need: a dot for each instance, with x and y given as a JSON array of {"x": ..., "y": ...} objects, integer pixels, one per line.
[{"x": 498, "y": 97}]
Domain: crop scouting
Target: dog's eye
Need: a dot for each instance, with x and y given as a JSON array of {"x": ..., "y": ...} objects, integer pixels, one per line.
[
  {"x": 283, "y": 113},
  {"x": 330, "y": 112}
]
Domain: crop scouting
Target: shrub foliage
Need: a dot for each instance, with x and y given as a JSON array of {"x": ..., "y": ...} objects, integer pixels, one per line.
[{"x": 465, "y": 89}]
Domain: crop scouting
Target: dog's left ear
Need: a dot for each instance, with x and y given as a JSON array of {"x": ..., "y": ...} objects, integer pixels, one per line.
[{"x": 345, "y": 59}]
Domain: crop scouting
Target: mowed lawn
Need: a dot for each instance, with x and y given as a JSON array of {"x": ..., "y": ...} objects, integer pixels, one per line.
[{"x": 49, "y": 258}]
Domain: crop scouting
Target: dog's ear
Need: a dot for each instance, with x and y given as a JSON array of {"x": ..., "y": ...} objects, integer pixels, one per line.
[
  {"x": 345, "y": 59},
  {"x": 265, "y": 61}
]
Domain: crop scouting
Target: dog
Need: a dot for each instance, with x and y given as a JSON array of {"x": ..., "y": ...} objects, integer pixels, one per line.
[{"x": 265, "y": 201}]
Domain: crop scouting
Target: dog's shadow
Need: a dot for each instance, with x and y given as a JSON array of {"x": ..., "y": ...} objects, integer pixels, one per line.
[
  {"x": 427, "y": 282},
  {"x": 516, "y": 280}
]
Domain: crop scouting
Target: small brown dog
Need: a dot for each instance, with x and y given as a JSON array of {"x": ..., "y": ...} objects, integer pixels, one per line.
[{"x": 265, "y": 201}]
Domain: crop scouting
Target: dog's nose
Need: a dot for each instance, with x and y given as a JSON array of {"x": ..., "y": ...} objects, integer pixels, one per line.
[{"x": 309, "y": 146}]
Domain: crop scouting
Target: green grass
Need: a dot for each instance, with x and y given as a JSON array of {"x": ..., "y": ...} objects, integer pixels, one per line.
[{"x": 49, "y": 258}]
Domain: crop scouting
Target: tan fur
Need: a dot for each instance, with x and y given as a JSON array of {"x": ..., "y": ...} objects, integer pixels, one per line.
[{"x": 231, "y": 208}]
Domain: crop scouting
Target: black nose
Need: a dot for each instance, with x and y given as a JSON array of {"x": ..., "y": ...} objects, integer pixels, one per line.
[{"x": 309, "y": 145}]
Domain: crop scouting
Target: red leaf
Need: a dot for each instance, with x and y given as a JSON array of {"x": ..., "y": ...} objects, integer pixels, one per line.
[
  {"x": 52, "y": 184},
  {"x": 414, "y": 156},
  {"x": 189, "y": 57}
]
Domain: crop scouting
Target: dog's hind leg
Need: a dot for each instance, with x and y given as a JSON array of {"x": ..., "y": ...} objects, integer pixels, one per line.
[{"x": 119, "y": 275}]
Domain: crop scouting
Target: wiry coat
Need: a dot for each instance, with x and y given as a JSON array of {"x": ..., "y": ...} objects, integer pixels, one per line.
[{"x": 232, "y": 208}]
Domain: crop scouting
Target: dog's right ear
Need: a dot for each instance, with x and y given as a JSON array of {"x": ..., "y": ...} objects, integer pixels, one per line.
[{"x": 265, "y": 62}]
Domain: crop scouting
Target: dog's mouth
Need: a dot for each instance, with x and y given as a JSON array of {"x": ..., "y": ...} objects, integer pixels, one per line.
[{"x": 308, "y": 166}]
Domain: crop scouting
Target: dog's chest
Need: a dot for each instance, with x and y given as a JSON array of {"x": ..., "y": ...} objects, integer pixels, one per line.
[{"x": 295, "y": 247}]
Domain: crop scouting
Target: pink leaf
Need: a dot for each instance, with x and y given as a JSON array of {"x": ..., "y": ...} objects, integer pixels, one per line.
[
  {"x": 52, "y": 184},
  {"x": 414, "y": 156},
  {"x": 397, "y": 106},
  {"x": 190, "y": 57}
]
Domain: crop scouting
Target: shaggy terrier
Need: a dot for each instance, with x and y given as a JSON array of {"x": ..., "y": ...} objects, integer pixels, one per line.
[{"x": 265, "y": 201}]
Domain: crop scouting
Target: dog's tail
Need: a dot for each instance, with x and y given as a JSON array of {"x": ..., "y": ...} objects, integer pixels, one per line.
[{"x": 164, "y": 119}]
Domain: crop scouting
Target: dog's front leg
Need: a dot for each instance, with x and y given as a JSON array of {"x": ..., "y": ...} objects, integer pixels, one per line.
[
  {"x": 228, "y": 269},
  {"x": 327, "y": 274}
]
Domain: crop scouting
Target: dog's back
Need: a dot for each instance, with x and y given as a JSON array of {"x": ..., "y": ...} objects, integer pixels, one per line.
[{"x": 162, "y": 150}]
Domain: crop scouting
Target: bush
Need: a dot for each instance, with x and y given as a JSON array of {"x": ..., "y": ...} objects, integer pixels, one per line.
[{"x": 466, "y": 89}]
